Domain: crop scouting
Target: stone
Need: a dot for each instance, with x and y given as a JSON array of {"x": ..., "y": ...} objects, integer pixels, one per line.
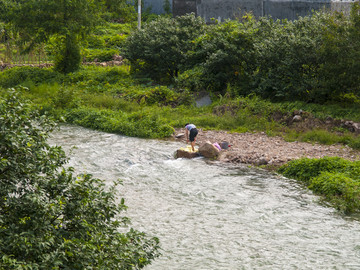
[
  {"x": 204, "y": 100},
  {"x": 297, "y": 118},
  {"x": 356, "y": 127},
  {"x": 180, "y": 153},
  {"x": 179, "y": 135},
  {"x": 208, "y": 150},
  {"x": 261, "y": 161}
]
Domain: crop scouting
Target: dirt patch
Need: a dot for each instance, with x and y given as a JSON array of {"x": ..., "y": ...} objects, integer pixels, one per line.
[{"x": 260, "y": 149}]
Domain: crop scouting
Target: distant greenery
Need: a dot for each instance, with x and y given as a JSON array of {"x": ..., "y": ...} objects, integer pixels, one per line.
[
  {"x": 314, "y": 59},
  {"x": 35, "y": 22},
  {"x": 26, "y": 27},
  {"x": 336, "y": 179},
  {"x": 50, "y": 218},
  {"x": 159, "y": 49}
]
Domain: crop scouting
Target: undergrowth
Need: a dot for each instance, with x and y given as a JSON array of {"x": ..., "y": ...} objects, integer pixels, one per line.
[
  {"x": 337, "y": 180},
  {"x": 100, "y": 90}
]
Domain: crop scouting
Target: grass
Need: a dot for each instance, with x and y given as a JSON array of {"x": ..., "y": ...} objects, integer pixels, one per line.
[
  {"x": 335, "y": 179},
  {"x": 97, "y": 89}
]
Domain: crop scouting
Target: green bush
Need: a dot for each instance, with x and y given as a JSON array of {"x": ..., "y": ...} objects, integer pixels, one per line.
[
  {"x": 99, "y": 55},
  {"x": 18, "y": 75},
  {"x": 342, "y": 191},
  {"x": 159, "y": 48},
  {"x": 339, "y": 73},
  {"x": 222, "y": 56},
  {"x": 304, "y": 169},
  {"x": 192, "y": 79},
  {"x": 95, "y": 42},
  {"x": 51, "y": 219},
  {"x": 287, "y": 60},
  {"x": 119, "y": 10},
  {"x": 116, "y": 41},
  {"x": 336, "y": 179},
  {"x": 68, "y": 56}
]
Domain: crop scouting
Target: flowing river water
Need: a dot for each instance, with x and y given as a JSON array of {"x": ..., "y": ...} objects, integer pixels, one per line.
[{"x": 212, "y": 216}]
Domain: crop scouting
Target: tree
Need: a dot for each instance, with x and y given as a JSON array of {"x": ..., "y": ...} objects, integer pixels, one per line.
[
  {"x": 159, "y": 48},
  {"x": 120, "y": 10},
  {"x": 38, "y": 20},
  {"x": 50, "y": 219}
]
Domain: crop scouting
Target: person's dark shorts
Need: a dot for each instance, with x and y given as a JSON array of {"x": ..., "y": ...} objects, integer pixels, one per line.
[{"x": 192, "y": 135}]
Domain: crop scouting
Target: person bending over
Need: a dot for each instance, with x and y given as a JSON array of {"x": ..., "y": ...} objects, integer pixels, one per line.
[{"x": 191, "y": 133}]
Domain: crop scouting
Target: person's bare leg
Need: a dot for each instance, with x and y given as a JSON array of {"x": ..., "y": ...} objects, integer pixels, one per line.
[{"x": 193, "y": 145}]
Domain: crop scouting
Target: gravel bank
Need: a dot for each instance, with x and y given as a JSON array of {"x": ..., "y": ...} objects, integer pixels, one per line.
[{"x": 260, "y": 149}]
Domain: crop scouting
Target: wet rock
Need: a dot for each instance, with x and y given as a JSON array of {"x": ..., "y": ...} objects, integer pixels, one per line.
[
  {"x": 208, "y": 150},
  {"x": 181, "y": 153}
]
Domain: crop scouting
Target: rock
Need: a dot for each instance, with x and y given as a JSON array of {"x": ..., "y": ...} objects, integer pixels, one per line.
[
  {"x": 203, "y": 100},
  {"x": 352, "y": 126},
  {"x": 261, "y": 161},
  {"x": 182, "y": 153},
  {"x": 208, "y": 150},
  {"x": 356, "y": 128},
  {"x": 297, "y": 118},
  {"x": 179, "y": 135}
]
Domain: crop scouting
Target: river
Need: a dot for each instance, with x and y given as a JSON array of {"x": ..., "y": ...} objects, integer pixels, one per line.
[{"x": 211, "y": 216}]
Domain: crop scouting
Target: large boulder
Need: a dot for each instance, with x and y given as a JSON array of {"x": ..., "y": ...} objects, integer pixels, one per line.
[
  {"x": 186, "y": 153},
  {"x": 208, "y": 150}
]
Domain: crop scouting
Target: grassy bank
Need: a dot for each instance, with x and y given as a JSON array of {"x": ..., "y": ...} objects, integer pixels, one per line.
[
  {"x": 335, "y": 179},
  {"x": 110, "y": 99}
]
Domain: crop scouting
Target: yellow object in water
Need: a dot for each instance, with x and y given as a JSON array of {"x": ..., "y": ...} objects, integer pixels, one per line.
[{"x": 188, "y": 149}]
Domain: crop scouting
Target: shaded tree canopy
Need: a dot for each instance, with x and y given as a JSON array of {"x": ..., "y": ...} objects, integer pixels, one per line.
[{"x": 51, "y": 219}]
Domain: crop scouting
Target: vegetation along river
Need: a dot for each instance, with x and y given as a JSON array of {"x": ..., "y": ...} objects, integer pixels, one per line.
[{"x": 211, "y": 215}]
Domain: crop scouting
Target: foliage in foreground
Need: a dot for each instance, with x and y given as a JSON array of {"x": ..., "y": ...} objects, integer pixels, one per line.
[
  {"x": 336, "y": 179},
  {"x": 51, "y": 219}
]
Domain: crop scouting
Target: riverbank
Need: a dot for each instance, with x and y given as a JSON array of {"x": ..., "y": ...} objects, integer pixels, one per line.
[{"x": 260, "y": 149}]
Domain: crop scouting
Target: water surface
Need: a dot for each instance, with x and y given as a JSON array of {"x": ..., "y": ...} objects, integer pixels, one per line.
[{"x": 214, "y": 216}]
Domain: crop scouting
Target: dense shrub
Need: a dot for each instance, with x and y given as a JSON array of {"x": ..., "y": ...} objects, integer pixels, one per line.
[
  {"x": 158, "y": 95},
  {"x": 119, "y": 10},
  {"x": 99, "y": 55},
  {"x": 339, "y": 73},
  {"x": 221, "y": 56},
  {"x": 159, "y": 47},
  {"x": 340, "y": 189},
  {"x": 312, "y": 59},
  {"x": 338, "y": 180},
  {"x": 50, "y": 218},
  {"x": 68, "y": 56},
  {"x": 286, "y": 57},
  {"x": 18, "y": 75}
]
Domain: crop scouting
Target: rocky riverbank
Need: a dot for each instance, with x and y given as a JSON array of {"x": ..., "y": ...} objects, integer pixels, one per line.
[{"x": 260, "y": 149}]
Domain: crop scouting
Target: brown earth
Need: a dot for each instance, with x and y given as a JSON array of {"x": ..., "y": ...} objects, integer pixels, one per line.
[{"x": 260, "y": 149}]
